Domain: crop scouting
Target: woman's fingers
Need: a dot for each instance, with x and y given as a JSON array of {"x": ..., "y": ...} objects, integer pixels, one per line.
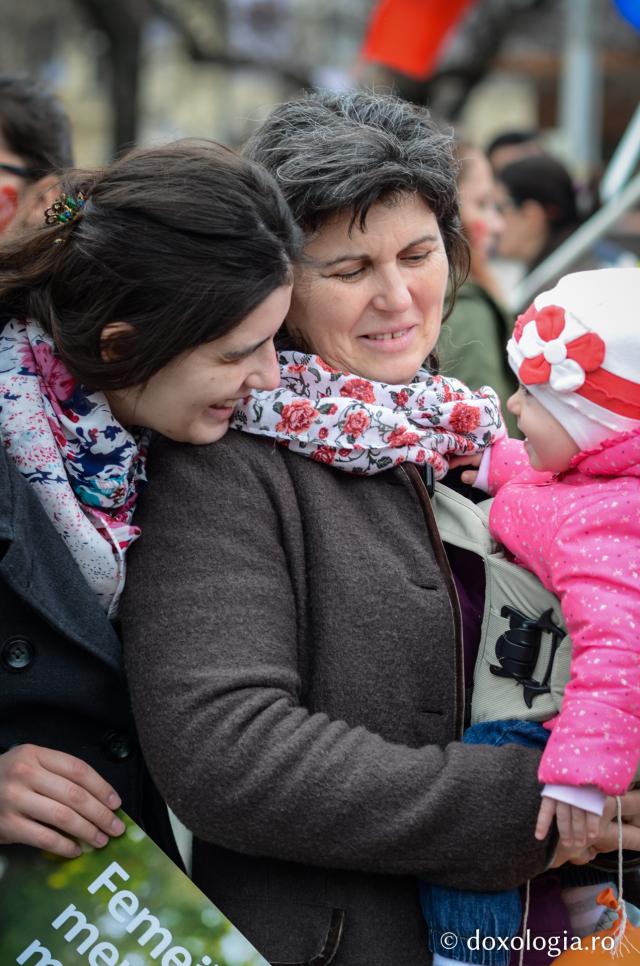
[
  {"x": 455, "y": 461},
  {"x": 26, "y": 832},
  {"x": 78, "y": 772},
  {"x": 50, "y": 790},
  {"x": 630, "y": 807},
  {"x": 545, "y": 818},
  {"x": 578, "y": 823},
  {"x": 593, "y": 825},
  {"x": 66, "y": 819}
]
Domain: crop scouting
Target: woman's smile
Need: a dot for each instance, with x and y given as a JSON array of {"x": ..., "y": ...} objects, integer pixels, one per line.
[
  {"x": 370, "y": 301},
  {"x": 391, "y": 340}
]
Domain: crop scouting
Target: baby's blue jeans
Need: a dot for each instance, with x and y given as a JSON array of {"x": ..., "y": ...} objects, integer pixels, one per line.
[{"x": 466, "y": 925}]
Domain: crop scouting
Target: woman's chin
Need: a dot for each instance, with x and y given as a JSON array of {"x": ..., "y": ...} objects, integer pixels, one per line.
[{"x": 398, "y": 370}]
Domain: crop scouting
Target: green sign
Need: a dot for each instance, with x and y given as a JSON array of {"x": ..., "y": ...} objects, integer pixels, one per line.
[{"x": 124, "y": 905}]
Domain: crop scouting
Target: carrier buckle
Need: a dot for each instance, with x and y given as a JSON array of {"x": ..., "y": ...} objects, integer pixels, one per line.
[{"x": 518, "y": 649}]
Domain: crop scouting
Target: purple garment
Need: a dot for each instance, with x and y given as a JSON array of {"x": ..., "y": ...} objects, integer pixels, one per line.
[
  {"x": 468, "y": 575},
  {"x": 548, "y": 919}
]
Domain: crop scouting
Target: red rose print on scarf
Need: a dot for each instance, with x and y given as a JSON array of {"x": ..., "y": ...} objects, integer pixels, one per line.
[
  {"x": 355, "y": 424},
  {"x": 296, "y": 417},
  {"x": 359, "y": 389},
  {"x": 324, "y": 454},
  {"x": 402, "y": 437},
  {"x": 464, "y": 418}
]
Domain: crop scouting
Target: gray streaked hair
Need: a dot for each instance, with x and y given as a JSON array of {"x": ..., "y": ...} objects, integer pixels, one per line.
[{"x": 336, "y": 152}]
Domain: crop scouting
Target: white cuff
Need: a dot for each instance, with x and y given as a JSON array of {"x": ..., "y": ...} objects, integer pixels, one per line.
[
  {"x": 482, "y": 479},
  {"x": 589, "y": 797}
]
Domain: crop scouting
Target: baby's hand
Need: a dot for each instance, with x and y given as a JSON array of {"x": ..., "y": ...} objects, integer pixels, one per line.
[
  {"x": 469, "y": 476},
  {"x": 576, "y": 826}
]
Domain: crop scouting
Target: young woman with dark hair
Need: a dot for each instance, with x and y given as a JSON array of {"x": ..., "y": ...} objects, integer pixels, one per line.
[{"x": 149, "y": 299}]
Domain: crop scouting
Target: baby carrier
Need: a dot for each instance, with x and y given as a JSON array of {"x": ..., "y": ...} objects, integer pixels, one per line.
[{"x": 523, "y": 659}]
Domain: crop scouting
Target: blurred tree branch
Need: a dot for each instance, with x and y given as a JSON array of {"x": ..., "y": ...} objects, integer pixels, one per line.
[
  {"x": 208, "y": 53},
  {"x": 200, "y": 26}
]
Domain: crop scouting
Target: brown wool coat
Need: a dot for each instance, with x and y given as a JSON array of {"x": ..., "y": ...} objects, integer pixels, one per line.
[{"x": 290, "y": 645}]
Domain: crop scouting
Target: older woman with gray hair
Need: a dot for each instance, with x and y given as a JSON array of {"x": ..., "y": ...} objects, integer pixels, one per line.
[{"x": 292, "y": 629}]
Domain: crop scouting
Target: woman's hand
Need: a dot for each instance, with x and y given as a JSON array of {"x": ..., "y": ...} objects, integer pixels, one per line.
[
  {"x": 607, "y": 838},
  {"x": 469, "y": 476},
  {"x": 49, "y": 799}
]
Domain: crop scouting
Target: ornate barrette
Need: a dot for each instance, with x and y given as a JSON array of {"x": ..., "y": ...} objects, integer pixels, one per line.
[{"x": 65, "y": 210}]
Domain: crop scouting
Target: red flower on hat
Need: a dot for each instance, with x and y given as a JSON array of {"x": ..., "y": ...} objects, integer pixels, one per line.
[{"x": 550, "y": 356}]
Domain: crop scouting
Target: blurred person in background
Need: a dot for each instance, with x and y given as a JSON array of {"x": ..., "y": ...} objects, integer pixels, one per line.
[
  {"x": 538, "y": 202},
  {"x": 512, "y": 145},
  {"x": 472, "y": 341},
  {"x": 35, "y": 146}
]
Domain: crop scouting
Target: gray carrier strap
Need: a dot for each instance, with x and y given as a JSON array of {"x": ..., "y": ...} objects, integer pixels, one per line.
[{"x": 522, "y": 624}]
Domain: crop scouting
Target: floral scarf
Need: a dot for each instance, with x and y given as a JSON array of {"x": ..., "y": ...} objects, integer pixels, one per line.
[
  {"x": 87, "y": 469},
  {"x": 364, "y": 427}
]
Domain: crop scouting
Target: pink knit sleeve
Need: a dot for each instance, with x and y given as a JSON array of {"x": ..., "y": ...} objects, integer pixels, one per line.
[{"x": 596, "y": 738}]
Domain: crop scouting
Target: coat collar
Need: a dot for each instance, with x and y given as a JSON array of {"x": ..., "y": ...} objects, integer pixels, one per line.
[
  {"x": 37, "y": 566},
  {"x": 617, "y": 456}
]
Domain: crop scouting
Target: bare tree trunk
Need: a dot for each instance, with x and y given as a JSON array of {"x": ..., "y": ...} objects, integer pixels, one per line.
[{"x": 122, "y": 23}]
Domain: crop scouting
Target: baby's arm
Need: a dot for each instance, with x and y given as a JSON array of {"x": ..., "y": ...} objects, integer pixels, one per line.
[
  {"x": 508, "y": 458},
  {"x": 498, "y": 464},
  {"x": 592, "y": 559}
]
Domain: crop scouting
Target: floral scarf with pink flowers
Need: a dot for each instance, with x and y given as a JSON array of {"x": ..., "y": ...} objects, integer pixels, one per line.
[
  {"x": 87, "y": 470},
  {"x": 364, "y": 427}
]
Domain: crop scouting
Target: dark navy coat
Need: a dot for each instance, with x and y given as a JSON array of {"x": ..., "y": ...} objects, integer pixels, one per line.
[{"x": 61, "y": 677}]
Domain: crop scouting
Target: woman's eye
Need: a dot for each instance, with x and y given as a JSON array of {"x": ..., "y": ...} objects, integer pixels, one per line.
[
  {"x": 415, "y": 259},
  {"x": 346, "y": 276}
]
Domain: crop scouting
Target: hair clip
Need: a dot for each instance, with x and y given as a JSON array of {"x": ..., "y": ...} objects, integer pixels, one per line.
[{"x": 65, "y": 210}]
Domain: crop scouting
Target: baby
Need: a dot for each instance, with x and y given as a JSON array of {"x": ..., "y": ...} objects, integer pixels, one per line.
[{"x": 567, "y": 507}]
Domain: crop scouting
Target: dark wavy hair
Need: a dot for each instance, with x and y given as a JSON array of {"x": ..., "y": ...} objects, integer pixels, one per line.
[
  {"x": 332, "y": 153},
  {"x": 181, "y": 242}
]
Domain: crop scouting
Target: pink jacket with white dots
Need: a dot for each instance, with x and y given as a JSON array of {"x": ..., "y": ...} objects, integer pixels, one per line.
[{"x": 579, "y": 532}]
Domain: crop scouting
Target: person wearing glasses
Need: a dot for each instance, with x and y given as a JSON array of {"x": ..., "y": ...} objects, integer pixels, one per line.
[{"x": 35, "y": 146}]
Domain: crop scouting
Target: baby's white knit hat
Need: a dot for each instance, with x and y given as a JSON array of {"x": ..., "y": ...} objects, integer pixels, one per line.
[{"x": 577, "y": 350}]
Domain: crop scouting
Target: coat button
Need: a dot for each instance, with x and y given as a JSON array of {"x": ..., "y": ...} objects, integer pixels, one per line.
[
  {"x": 17, "y": 653},
  {"x": 117, "y": 746}
]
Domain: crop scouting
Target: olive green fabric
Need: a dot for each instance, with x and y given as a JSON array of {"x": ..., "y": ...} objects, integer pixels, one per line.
[{"x": 472, "y": 346}]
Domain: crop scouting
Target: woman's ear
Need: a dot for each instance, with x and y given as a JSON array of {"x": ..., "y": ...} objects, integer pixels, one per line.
[{"x": 109, "y": 338}]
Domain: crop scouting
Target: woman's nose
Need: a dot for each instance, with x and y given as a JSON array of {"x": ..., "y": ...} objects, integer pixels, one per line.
[
  {"x": 266, "y": 371},
  {"x": 392, "y": 294}
]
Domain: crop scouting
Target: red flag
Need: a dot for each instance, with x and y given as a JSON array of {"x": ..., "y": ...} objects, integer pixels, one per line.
[{"x": 407, "y": 35}]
